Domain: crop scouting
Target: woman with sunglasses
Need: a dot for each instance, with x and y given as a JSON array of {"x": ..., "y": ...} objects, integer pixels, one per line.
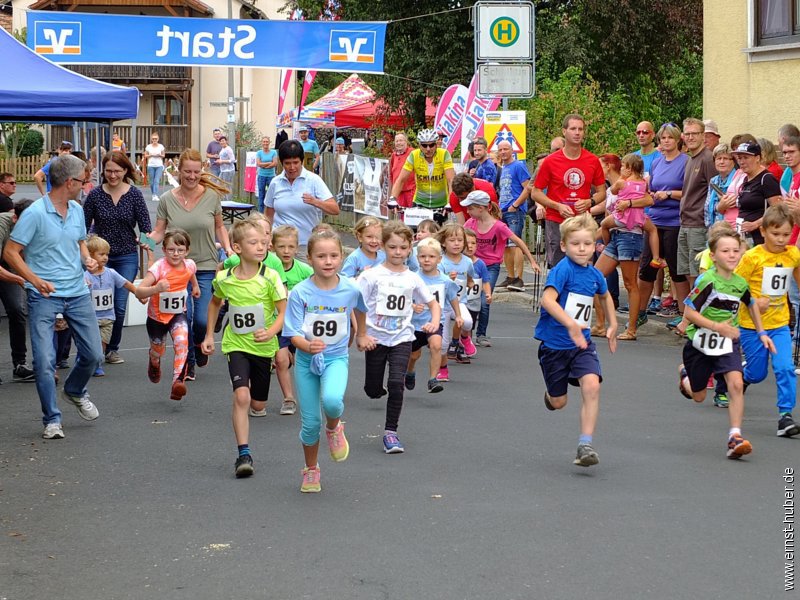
[
  {"x": 433, "y": 171},
  {"x": 115, "y": 209}
]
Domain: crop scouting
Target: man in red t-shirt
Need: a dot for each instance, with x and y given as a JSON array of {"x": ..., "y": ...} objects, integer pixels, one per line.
[
  {"x": 396, "y": 162},
  {"x": 463, "y": 184},
  {"x": 568, "y": 176}
]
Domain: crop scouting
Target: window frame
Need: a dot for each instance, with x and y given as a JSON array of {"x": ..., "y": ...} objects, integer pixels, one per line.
[{"x": 793, "y": 35}]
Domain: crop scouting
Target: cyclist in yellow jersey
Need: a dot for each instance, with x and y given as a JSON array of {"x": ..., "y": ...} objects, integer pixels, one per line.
[{"x": 433, "y": 170}]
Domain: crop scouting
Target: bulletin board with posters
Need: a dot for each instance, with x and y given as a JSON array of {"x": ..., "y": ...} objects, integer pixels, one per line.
[
  {"x": 506, "y": 125},
  {"x": 364, "y": 185}
]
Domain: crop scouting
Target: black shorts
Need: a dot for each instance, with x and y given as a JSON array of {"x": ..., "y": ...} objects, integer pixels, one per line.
[
  {"x": 562, "y": 367},
  {"x": 421, "y": 338},
  {"x": 700, "y": 367},
  {"x": 668, "y": 240},
  {"x": 249, "y": 370}
]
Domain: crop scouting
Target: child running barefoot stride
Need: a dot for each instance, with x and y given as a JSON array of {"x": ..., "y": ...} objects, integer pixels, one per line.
[
  {"x": 712, "y": 309},
  {"x": 389, "y": 291},
  {"x": 767, "y": 268},
  {"x": 257, "y": 304},
  {"x": 491, "y": 235},
  {"x": 318, "y": 322},
  {"x": 165, "y": 284},
  {"x": 369, "y": 253},
  {"x": 567, "y": 353},
  {"x": 629, "y": 188},
  {"x": 445, "y": 290}
]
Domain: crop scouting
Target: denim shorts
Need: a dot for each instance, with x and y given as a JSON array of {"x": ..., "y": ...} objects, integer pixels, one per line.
[
  {"x": 516, "y": 223},
  {"x": 624, "y": 246}
]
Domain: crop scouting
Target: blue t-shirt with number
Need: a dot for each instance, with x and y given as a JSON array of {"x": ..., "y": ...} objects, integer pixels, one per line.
[
  {"x": 566, "y": 278},
  {"x": 315, "y": 313},
  {"x": 103, "y": 285},
  {"x": 464, "y": 268},
  {"x": 439, "y": 285}
]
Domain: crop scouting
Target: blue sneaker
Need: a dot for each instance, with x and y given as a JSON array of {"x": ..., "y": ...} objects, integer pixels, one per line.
[
  {"x": 99, "y": 372},
  {"x": 654, "y": 307},
  {"x": 391, "y": 444},
  {"x": 673, "y": 324},
  {"x": 641, "y": 319}
]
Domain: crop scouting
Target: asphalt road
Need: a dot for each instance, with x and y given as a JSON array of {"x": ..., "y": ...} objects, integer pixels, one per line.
[{"x": 485, "y": 503}]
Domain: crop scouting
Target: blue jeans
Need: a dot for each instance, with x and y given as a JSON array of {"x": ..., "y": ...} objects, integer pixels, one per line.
[
  {"x": 154, "y": 177},
  {"x": 197, "y": 311},
  {"x": 483, "y": 317},
  {"x": 263, "y": 183},
  {"x": 758, "y": 359},
  {"x": 313, "y": 390},
  {"x": 516, "y": 223},
  {"x": 79, "y": 313},
  {"x": 126, "y": 265}
]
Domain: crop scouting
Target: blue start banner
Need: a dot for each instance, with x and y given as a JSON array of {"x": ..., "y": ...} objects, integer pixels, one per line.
[{"x": 80, "y": 38}]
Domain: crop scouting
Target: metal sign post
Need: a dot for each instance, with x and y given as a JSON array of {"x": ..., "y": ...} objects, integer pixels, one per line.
[{"x": 505, "y": 48}]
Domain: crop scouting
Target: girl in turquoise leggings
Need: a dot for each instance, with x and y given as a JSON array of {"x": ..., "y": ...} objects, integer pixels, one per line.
[{"x": 318, "y": 321}]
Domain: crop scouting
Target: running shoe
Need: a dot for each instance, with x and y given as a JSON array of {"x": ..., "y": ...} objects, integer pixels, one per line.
[
  {"x": 641, "y": 319},
  {"x": 469, "y": 348},
  {"x": 337, "y": 443},
  {"x": 517, "y": 285},
  {"x": 53, "y": 431},
  {"x": 62, "y": 364},
  {"x": 667, "y": 312},
  {"x": 190, "y": 376},
  {"x": 624, "y": 310},
  {"x": 113, "y": 358},
  {"x": 310, "y": 481},
  {"x": 411, "y": 381},
  {"x": 721, "y": 400},
  {"x": 99, "y": 372},
  {"x": 434, "y": 386},
  {"x": 392, "y": 445},
  {"x": 23, "y": 373},
  {"x": 738, "y": 446},
  {"x": 505, "y": 283},
  {"x": 257, "y": 413},
  {"x": 586, "y": 457},
  {"x": 444, "y": 375},
  {"x": 178, "y": 390},
  {"x": 461, "y": 357},
  {"x": 154, "y": 371},
  {"x": 668, "y": 301},
  {"x": 288, "y": 407},
  {"x": 787, "y": 427},
  {"x": 244, "y": 466},
  {"x": 86, "y": 409},
  {"x": 452, "y": 350},
  {"x": 654, "y": 307},
  {"x": 673, "y": 324},
  {"x": 683, "y": 377},
  {"x": 484, "y": 341},
  {"x": 711, "y": 384}
]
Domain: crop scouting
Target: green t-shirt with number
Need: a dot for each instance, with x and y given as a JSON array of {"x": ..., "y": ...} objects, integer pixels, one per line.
[
  {"x": 717, "y": 298},
  {"x": 272, "y": 261},
  {"x": 298, "y": 272},
  {"x": 251, "y": 304}
]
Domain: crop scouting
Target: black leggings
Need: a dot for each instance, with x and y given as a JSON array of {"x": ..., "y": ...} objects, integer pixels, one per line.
[{"x": 397, "y": 357}]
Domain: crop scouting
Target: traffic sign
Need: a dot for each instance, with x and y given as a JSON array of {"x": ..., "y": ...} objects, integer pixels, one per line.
[
  {"x": 509, "y": 80},
  {"x": 504, "y": 31}
]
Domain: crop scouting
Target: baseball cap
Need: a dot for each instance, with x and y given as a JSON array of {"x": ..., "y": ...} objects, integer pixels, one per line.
[
  {"x": 302, "y": 128},
  {"x": 476, "y": 197},
  {"x": 340, "y": 140},
  {"x": 750, "y": 148},
  {"x": 710, "y": 126}
]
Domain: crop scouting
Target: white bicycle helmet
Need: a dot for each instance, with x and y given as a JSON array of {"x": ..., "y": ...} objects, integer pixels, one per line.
[{"x": 426, "y": 136}]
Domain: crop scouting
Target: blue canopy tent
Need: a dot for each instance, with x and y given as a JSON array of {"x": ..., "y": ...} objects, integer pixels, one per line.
[{"x": 37, "y": 90}]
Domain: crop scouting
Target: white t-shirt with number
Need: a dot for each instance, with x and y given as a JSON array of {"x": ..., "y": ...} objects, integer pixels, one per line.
[{"x": 389, "y": 297}]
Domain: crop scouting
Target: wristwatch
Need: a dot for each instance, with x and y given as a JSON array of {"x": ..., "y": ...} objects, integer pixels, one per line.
[{"x": 669, "y": 194}]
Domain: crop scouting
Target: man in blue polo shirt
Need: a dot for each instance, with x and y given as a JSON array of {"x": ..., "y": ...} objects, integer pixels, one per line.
[{"x": 52, "y": 235}]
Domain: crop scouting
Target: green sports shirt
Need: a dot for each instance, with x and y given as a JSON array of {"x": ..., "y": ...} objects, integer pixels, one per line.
[
  {"x": 272, "y": 261},
  {"x": 298, "y": 272}
]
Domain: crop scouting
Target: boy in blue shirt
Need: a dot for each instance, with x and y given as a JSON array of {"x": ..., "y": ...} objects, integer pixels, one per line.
[{"x": 567, "y": 353}]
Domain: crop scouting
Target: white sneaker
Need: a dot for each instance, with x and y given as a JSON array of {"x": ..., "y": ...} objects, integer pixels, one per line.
[
  {"x": 86, "y": 409},
  {"x": 53, "y": 431},
  {"x": 257, "y": 413},
  {"x": 155, "y": 198}
]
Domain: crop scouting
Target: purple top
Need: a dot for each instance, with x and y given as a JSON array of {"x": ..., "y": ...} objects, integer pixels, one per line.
[
  {"x": 115, "y": 223},
  {"x": 667, "y": 175}
]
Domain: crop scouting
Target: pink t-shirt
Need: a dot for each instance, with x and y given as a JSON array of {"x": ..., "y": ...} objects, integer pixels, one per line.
[{"x": 492, "y": 244}]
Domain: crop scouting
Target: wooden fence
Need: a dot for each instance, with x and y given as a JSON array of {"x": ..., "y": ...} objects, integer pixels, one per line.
[{"x": 23, "y": 168}]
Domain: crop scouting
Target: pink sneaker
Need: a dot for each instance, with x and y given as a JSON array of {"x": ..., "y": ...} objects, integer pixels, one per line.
[
  {"x": 311, "y": 480},
  {"x": 337, "y": 443},
  {"x": 469, "y": 348},
  {"x": 444, "y": 375}
]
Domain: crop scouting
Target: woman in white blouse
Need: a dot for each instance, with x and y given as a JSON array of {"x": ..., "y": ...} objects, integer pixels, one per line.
[{"x": 154, "y": 154}]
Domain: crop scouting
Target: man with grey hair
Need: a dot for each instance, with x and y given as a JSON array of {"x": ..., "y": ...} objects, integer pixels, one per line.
[{"x": 52, "y": 235}]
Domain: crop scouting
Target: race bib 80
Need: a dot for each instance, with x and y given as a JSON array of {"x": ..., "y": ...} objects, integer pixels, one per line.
[{"x": 393, "y": 301}]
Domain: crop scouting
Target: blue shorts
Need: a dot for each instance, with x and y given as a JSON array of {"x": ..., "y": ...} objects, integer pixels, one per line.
[
  {"x": 421, "y": 338},
  {"x": 625, "y": 246},
  {"x": 700, "y": 367},
  {"x": 516, "y": 223},
  {"x": 285, "y": 342},
  {"x": 562, "y": 367}
]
